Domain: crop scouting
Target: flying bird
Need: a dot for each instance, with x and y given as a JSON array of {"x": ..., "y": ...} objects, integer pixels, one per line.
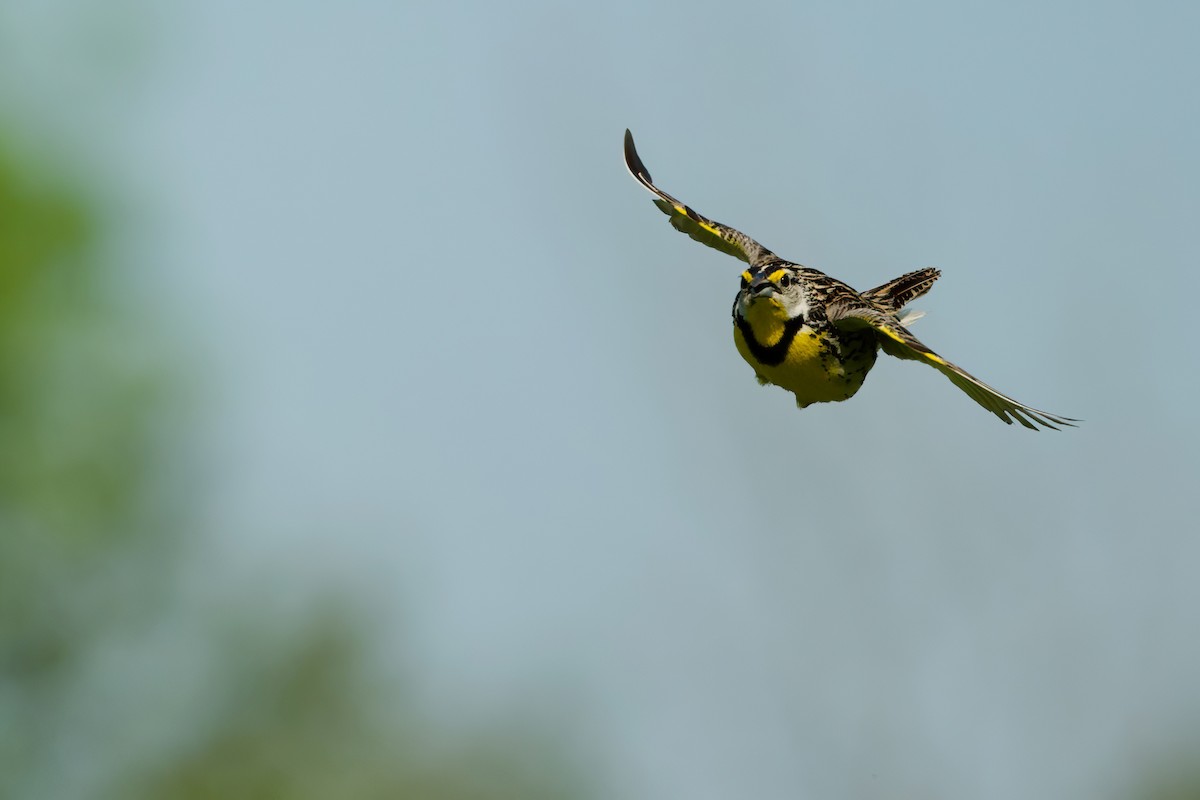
[{"x": 813, "y": 335}]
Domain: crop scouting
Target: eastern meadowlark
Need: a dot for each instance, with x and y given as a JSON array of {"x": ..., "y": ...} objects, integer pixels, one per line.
[{"x": 812, "y": 334}]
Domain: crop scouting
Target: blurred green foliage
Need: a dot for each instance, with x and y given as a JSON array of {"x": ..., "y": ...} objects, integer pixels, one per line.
[
  {"x": 88, "y": 559},
  {"x": 74, "y": 442},
  {"x": 303, "y": 719},
  {"x": 1177, "y": 779}
]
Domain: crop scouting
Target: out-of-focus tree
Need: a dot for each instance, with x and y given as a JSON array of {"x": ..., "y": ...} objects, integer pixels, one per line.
[
  {"x": 87, "y": 558},
  {"x": 75, "y": 423},
  {"x": 1174, "y": 780},
  {"x": 298, "y": 722}
]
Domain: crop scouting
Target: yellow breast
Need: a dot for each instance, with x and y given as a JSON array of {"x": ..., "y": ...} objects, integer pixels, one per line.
[{"x": 815, "y": 368}]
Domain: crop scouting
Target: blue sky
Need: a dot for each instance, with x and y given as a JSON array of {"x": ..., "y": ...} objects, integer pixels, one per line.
[{"x": 455, "y": 360}]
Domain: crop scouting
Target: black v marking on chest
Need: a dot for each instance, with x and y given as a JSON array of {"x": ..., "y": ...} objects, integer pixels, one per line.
[{"x": 771, "y": 355}]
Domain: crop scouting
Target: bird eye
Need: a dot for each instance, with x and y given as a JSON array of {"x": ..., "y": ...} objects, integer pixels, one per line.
[{"x": 785, "y": 280}]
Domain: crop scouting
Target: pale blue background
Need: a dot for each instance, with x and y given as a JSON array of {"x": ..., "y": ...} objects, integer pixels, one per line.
[{"x": 448, "y": 355}]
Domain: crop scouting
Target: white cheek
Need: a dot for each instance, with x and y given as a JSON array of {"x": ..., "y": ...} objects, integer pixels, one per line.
[{"x": 797, "y": 307}]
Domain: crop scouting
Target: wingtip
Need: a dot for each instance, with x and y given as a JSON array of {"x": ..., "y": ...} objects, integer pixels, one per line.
[
  {"x": 1046, "y": 420},
  {"x": 633, "y": 163}
]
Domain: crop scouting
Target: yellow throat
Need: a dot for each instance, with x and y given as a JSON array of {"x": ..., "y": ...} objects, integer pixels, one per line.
[{"x": 812, "y": 366}]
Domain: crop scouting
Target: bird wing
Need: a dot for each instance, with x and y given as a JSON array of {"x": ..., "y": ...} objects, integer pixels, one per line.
[
  {"x": 896, "y": 341},
  {"x": 683, "y": 218},
  {"x": 898, "y": 293}
]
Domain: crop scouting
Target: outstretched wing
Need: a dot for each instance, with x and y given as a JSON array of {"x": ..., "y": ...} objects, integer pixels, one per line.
[
  {"x": 896, "y": 341},
  {"x": 702, "y": 229}
]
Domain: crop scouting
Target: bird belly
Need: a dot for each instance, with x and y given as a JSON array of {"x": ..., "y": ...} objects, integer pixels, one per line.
[{"x": 817, "y": 368}]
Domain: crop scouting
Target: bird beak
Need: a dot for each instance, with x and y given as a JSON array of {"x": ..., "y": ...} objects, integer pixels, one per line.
[{"x": 761, "y": 287}]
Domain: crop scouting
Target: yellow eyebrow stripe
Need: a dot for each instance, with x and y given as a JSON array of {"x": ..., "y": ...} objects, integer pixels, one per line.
[{"x": 775, "y": 276}]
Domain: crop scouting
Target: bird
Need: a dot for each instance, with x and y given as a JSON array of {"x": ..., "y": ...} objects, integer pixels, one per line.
[{"x": 812, "y": 334}]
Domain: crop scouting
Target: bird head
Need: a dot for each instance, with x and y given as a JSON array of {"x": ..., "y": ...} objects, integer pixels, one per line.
[{"x": 772, "y": 293}]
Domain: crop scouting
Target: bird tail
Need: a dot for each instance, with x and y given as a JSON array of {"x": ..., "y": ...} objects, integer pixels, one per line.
[{"x": 897, "y": 293}]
